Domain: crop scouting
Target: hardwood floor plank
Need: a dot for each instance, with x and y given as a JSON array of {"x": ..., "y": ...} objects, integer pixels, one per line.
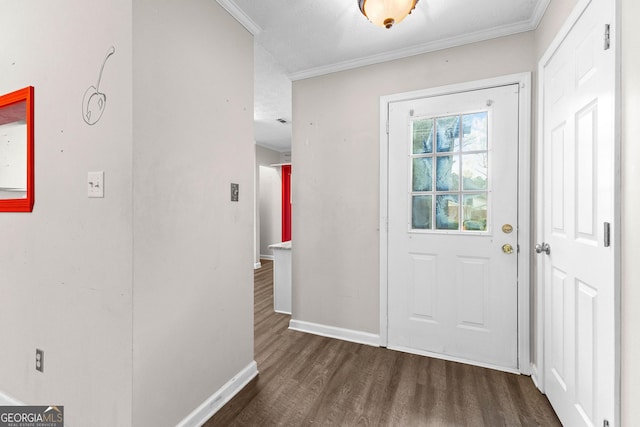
[{"x": 308, "y": 380}]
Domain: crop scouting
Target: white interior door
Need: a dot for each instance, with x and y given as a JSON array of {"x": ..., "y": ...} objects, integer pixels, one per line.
[
  {"x": 453, "y": 226},
  {"x": 578, "y": 178}
]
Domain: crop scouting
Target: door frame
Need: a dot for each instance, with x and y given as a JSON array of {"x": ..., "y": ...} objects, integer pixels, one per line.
[
  {"x": 537, "y": 369},
  {"x": 524, "y": 198}
]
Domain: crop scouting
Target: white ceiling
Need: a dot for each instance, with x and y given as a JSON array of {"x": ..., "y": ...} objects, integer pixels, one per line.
[{"x": 297, "y": 39}]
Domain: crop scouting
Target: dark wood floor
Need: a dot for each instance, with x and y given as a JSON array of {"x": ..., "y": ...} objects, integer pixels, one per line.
[{"x": 310, "y": 380}]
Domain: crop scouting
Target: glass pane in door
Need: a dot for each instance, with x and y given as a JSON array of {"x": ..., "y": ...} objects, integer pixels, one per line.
[
  {"x": 423, "y": 136},
  {"x": 421, "y": 210},
  {"x": 447, "y": 173},
  {"x": 474, "y": 132},
  {"x": 474, "y": 171},
  {"x": 447, "y": 212},
  {"x": 422, "y": 174},
  {"x": 448, "y": 134},
  {"x": 474, "y": 212}
]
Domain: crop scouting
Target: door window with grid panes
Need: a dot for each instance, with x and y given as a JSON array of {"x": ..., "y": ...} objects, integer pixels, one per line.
[{"x": 449, "y": 173}]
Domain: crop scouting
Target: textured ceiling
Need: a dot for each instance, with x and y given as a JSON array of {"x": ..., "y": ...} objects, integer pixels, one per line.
[
  {"x": 298, "y": 39},
  {"x": 272, "y": 101}
]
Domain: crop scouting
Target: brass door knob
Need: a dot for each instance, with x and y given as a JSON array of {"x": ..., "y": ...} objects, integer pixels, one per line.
[{"x": 507, "y": 249}]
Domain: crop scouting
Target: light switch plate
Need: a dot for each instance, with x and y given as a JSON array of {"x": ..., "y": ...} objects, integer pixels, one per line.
[
  {"x": 95, "y": 184},
  {"x": 235, "y": 192}
]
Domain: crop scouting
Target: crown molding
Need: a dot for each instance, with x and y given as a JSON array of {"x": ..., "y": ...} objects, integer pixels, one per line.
[
  {"x": 505, "y": 30},
  {"x": 240, "y": 16},
  {"x": 538, "y": 13}
]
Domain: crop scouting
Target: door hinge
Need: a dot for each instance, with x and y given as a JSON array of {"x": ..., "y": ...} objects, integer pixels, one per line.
[
  {"x": 607, "y": 234},
  {"x": 605, "y": 423},
  {"x": 607, "y": 37},
  {"x": 387, "y": 126}
]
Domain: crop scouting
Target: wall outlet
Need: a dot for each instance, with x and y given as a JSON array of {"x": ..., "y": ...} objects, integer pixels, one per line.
[{"x": 39, "y": 360}]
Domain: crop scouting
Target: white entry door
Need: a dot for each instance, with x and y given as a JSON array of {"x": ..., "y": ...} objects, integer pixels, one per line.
[
  {"x": 453, "y": 226},
  {"x": 578, "y": 183}
]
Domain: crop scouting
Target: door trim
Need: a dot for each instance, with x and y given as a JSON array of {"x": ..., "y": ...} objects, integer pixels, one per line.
[
  {"x": 537, "y": 369},
  {"x": 524, "y": 198}
]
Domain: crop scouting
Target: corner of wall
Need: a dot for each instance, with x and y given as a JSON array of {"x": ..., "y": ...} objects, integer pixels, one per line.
[{"x": 193, "y": 245}]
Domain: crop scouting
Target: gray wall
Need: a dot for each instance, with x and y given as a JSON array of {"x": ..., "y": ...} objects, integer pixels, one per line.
[
  {"x": 141, "y": 300},
  {"x": 193, "y": 247},
  {"x": 65, "y": 268},
  {"x": 336, "y": 156},
  {"x": 556, "y": 14}
]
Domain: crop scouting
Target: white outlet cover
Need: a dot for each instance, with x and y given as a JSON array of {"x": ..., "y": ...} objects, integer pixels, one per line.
[{"x": 95, "y": 184}]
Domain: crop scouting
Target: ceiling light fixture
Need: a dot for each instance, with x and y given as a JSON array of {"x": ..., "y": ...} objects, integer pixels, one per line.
[{"x": 386, "y": 13}]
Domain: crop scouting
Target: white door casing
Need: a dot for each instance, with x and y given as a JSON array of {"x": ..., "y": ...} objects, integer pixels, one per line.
[
  {"x": 577, "y": 199},
  {"x": 485, "y": 324}
]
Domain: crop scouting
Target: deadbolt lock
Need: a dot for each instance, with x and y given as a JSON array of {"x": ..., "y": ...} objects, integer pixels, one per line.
[{"x": 507, "y": 228}]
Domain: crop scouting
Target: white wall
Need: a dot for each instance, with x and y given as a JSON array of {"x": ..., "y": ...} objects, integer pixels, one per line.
[
  {"x": 270, "y": 209},
  {"x": 336, "y": 157},
  {"x": 193, "y": 247},
  {"x": 269, "y": 200},
  {"x": 630, "y": 42},
  {"x": 65, "y": 268}
]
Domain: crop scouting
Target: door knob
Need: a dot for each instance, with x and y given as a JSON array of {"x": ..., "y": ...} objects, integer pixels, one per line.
[
  {"x": 543, "y": 247},
  {"x": 507, "y": 249}
]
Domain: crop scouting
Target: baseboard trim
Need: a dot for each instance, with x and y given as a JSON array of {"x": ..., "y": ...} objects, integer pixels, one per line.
[
  {"x": 213, "y": 404},
  {"x": 268, "y": 257},
  {"x": 6, "y": 400},
  {"x": 334, "y": 332},
  {"x": 257, "y": 265}
]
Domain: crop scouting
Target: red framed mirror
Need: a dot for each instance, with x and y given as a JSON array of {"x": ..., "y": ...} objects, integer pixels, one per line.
[{"x": 16, "y": 151}]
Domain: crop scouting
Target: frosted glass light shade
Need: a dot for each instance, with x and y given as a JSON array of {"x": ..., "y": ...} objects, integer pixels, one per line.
[{"x": 386, "y": 13}]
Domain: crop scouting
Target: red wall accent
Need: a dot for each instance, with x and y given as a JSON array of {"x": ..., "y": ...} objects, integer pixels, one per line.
[{"x": 286, "y": 203}]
